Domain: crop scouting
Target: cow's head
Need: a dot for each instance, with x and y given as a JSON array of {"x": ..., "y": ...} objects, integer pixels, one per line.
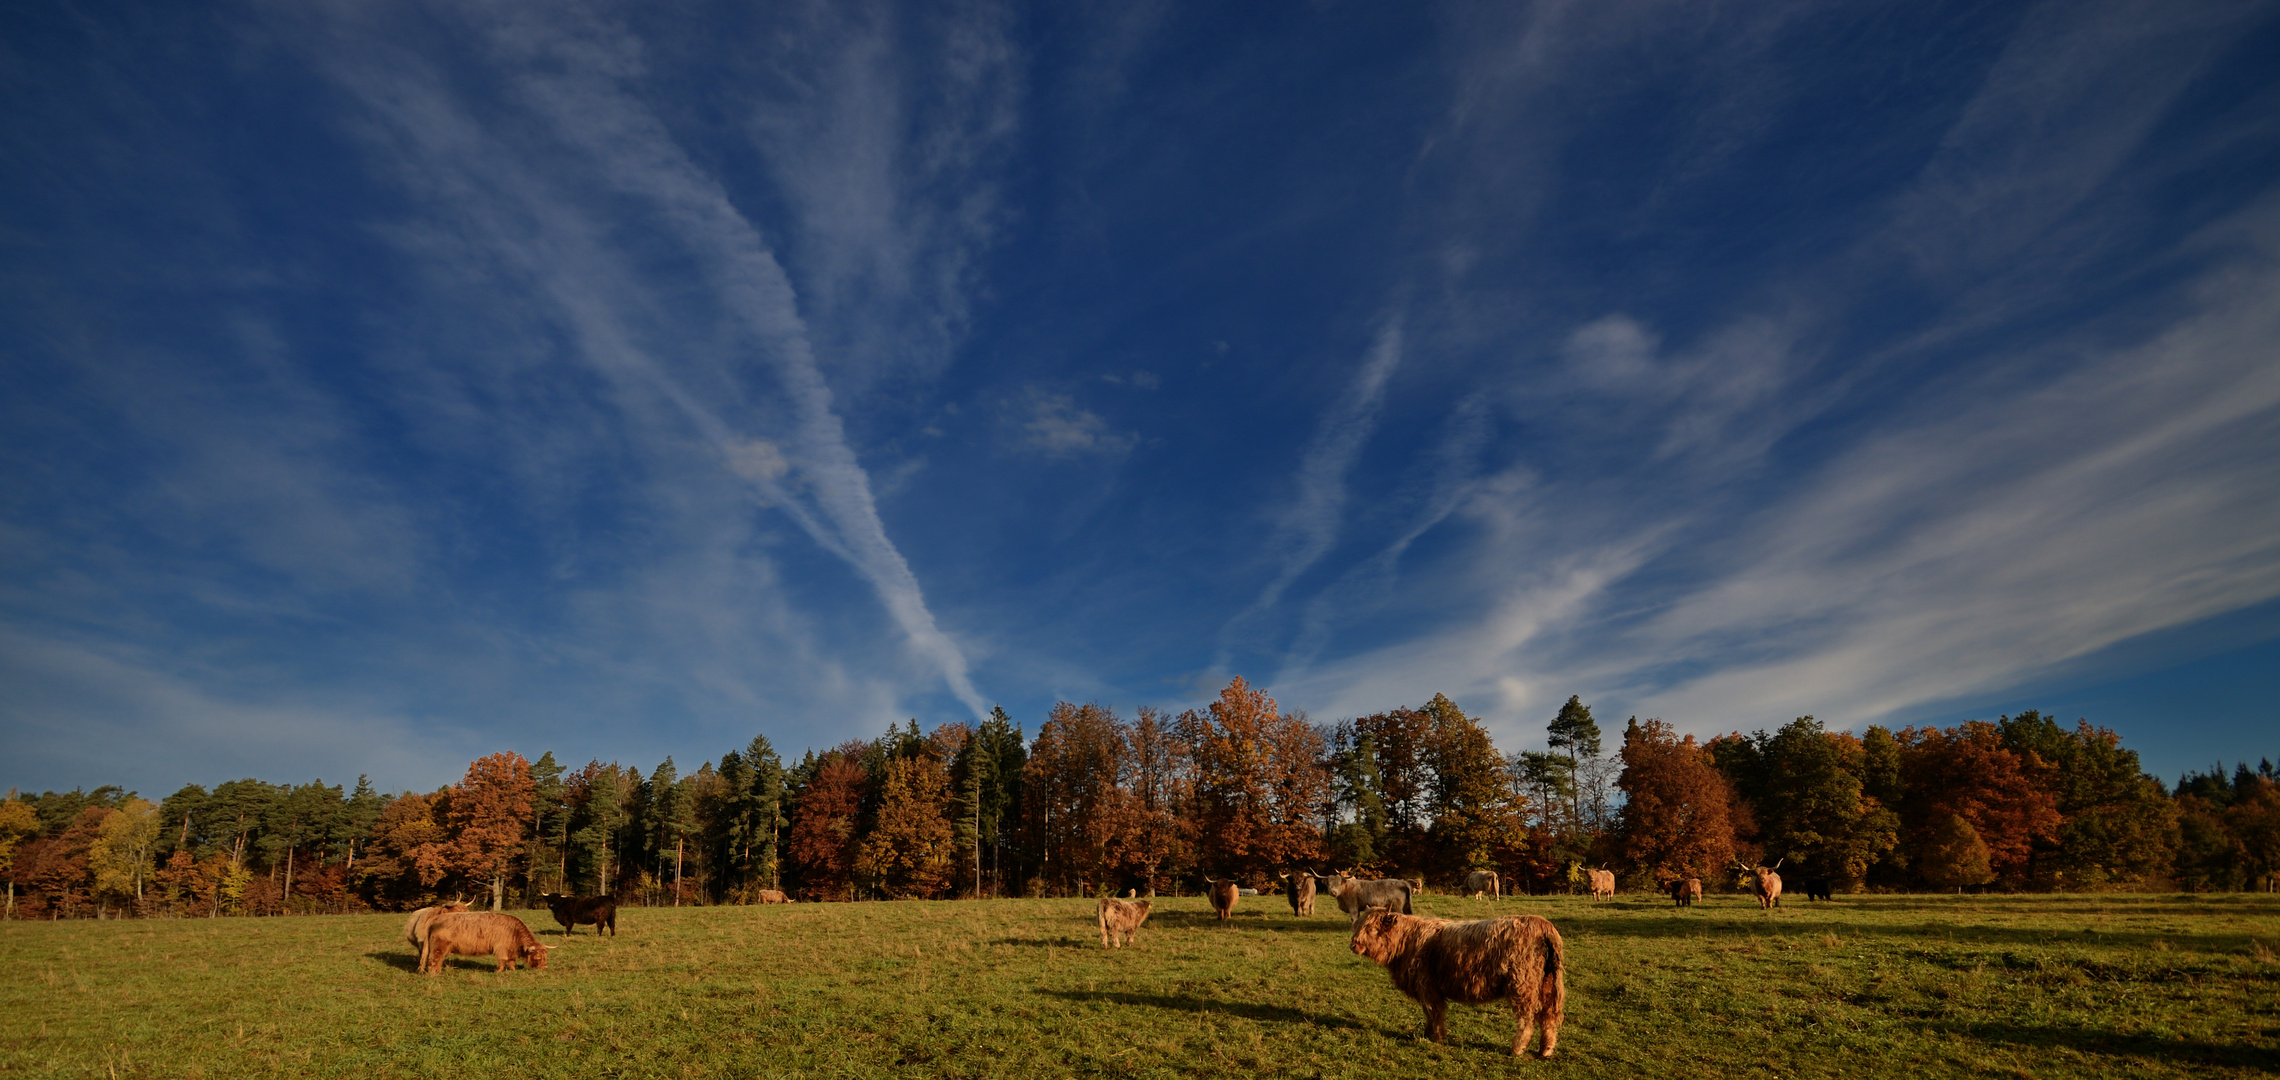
[{"x": 1372, "y": 934}]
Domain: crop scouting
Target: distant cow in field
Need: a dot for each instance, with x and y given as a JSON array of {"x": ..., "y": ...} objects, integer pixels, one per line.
[
  {"x": 1768, "y": 884},
  {"x": 481, "y": 933},
  {"x": 575, "y": 911},
  {"x": 1121, "y": 919},
  {"x": 767, "y": 896},
  {"x": 1818, "y": 889},
  {"x": 1223, "y": 895},
  {"x": 1298, "y": 887},
  {"x": 1483, "y": 883},
  {"x": 415, "y": 929},
  {"x": 1685, "y": 891},
  {"x": 1437, "y": 961},
  {"x": 1356, "y": 896},
  {"x": 1602, "y": 883}
]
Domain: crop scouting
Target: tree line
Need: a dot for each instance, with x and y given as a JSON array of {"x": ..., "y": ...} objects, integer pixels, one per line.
[{"x": 1096, "y": 800}]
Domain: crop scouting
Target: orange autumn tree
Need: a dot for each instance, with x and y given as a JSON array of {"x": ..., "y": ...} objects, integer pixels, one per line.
[
  {"x": 911, "y": 852},
  {"x": 489, "y": 807},
  {"x": 822, "y": 843},
  {"x": 1967, "y": 772},
  {"x": 1072, "y": 798},
  {"x": 1258, "y": 779},
  {"x": 1677, "y": 820}
]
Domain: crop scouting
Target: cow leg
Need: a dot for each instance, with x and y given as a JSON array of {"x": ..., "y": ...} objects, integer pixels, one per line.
[
  {"x": 1523, "y": 1024},
  {"x": 1437, "y": 1020}
]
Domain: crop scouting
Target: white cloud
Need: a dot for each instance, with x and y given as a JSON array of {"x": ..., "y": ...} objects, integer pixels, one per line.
[{"x": 1057, "y": 428}]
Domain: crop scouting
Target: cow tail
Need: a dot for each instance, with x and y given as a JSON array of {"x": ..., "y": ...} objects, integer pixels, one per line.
[{"x": 1551, "y": 993}]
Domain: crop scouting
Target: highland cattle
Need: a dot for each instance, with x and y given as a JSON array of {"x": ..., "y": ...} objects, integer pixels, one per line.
[
  {"x": 575, "y": 911},
  {"x": 1518, "y": 958},
  {"x": 1298, "y": 888},
  {"x": 1602, "y": 883},
  {"x": 1121, "y": 919},
  {"x": 1356, "y": 896},
  {"x": 1484, "y": 883},
  {"x": 1223, "y": 895},
  {"x": 481, "y": 933}
]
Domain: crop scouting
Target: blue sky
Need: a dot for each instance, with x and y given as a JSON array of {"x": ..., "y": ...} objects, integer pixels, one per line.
[{"x": 385, "y": 384}]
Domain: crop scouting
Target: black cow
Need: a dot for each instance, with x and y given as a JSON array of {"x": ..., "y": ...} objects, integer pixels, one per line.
[
  {"x": 574, "y": 911},
  {"x": 1817, "y": 889}
]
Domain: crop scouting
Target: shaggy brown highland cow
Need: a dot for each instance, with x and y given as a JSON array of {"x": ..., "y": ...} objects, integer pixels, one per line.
[
  {"x": 1602, "y": 883},
  {"x": 1121, "y": 919},
  {"x": 415, "y": 928},
  {"x": 1685, "y": 891},
  {"x": 1222, "y": 894},
  {"x": 1484, "y": 883},
  {"x": 1768, "y": 886},
  {"x": 1298, "y": 888},
  {"x": 1437, "y": 961},
  {"x": 478, "y": 933},
  {"x": 774, "y": 896}
]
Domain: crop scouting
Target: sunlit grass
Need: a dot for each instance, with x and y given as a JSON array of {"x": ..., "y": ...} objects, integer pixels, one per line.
[{"x": 1930, "y": 986}]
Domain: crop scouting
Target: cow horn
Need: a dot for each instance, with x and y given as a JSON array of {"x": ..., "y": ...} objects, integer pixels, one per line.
[{"x": 1784, "y": 859}]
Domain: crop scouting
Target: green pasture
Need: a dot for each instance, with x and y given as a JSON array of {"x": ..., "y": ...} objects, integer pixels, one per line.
[{"x": 1909, "y": 986}]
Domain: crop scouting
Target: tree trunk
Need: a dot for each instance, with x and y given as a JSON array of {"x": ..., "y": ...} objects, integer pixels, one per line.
[
  {"x": 286, "y": 900},
  {"x": 677, "y": 845},
  {"x": 498, "y": 888}
]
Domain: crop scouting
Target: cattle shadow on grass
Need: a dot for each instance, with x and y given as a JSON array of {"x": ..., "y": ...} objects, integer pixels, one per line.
[
  {"x": 1249, "y": 1010},
  {"x": 2121, "y": 1044},
  {"x": 410, "y": 962}
]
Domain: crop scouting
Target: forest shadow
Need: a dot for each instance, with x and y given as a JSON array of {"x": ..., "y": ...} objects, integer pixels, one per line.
[
  {"x": 2121, "y": 1044},
  {"x": 1782, "y": 926},
  {"x": 1249, "y": 1010}
]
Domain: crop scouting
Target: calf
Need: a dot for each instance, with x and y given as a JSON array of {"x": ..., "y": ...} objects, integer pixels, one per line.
[
  {"x": 1222, "y": 894},
  {"x": 1685, "y": 891},
  {"x": 767, "y": 896},
  {"x": 1298, "y": 887},
  {"x": 1483, "y": 882},
  {"x": 573, "y": 911},
  {"x": 415, "y": 929},
  {"x": 478, "y": 933},
  {"x": 1437, "y": 961},
  {"x": 1602, "y": 883},
  {"x": 1356, "y": 896},
  {"x": 1121, "y": 919}
]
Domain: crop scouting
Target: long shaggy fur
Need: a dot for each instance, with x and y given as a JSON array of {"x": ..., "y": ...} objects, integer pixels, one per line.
[
  {"x": 1436, "y": 961},
  {"x": 1222, "y": 894},
  {"x": 1602, "y": 883},
  {"x": 1120, "y": 920},
  {"x": 1299, "y": 889},
  {"x": 1685, "y": 891},
  {"x": 415, "y": 928},
  {"x": 479, "y": 933}
]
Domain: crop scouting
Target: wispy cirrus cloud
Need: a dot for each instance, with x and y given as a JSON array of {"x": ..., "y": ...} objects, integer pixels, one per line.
[{"x": 576, "y": 75}]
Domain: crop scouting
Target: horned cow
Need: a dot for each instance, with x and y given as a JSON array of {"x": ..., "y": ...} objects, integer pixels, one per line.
[
  {"x": 479, "y": 933},
  {"x": 1602, "y": 883},
  {"x": 1484, "y": 882},
  {"x": 1298, "y": 887},
  {"x": 1356, "y": 896},
  {"x": 416, "y": 928},
  {"x": 1768, "y": 885},
  {"x": 1436, "y": 961},
  {"x": 1121, "y": 919},
  {"x": 574, "y": 911},
  {"x": 1223, "y": 895}
]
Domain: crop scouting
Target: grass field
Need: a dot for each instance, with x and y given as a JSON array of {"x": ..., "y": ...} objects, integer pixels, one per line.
[{"x": 1913, "y": 986}]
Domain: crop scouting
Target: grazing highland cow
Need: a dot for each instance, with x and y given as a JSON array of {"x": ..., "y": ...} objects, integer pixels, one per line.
[
  {"x": 1602, "y": 883},
  {"x": 1222, "y": 894},
  {"x": 1121, "y": 919},
  {"x": 1685, "y": 891},
  {"x": 1818, "y": 889},
  {"x": 1356, "y": 896},
  {"x": 767, "y": 896},
  {"x": 415, "y": 929},
  {"x": 1768, "y": 885},
  {"x": 1298, "y": 888},
  {"x": 1483, "y": 883},
  {"x": 573, "y": 911},
  {"x": 1437, "y": 961},
  {"x": 481, "y": 933}
]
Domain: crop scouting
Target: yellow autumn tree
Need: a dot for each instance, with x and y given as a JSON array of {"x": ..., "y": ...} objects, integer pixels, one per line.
[
  {"x": 121, "y": 854},
  {"x": 912, "y": 852}
]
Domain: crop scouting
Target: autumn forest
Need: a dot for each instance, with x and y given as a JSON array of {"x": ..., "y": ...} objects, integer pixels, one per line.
[{"x": 1097, "y": 800}]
